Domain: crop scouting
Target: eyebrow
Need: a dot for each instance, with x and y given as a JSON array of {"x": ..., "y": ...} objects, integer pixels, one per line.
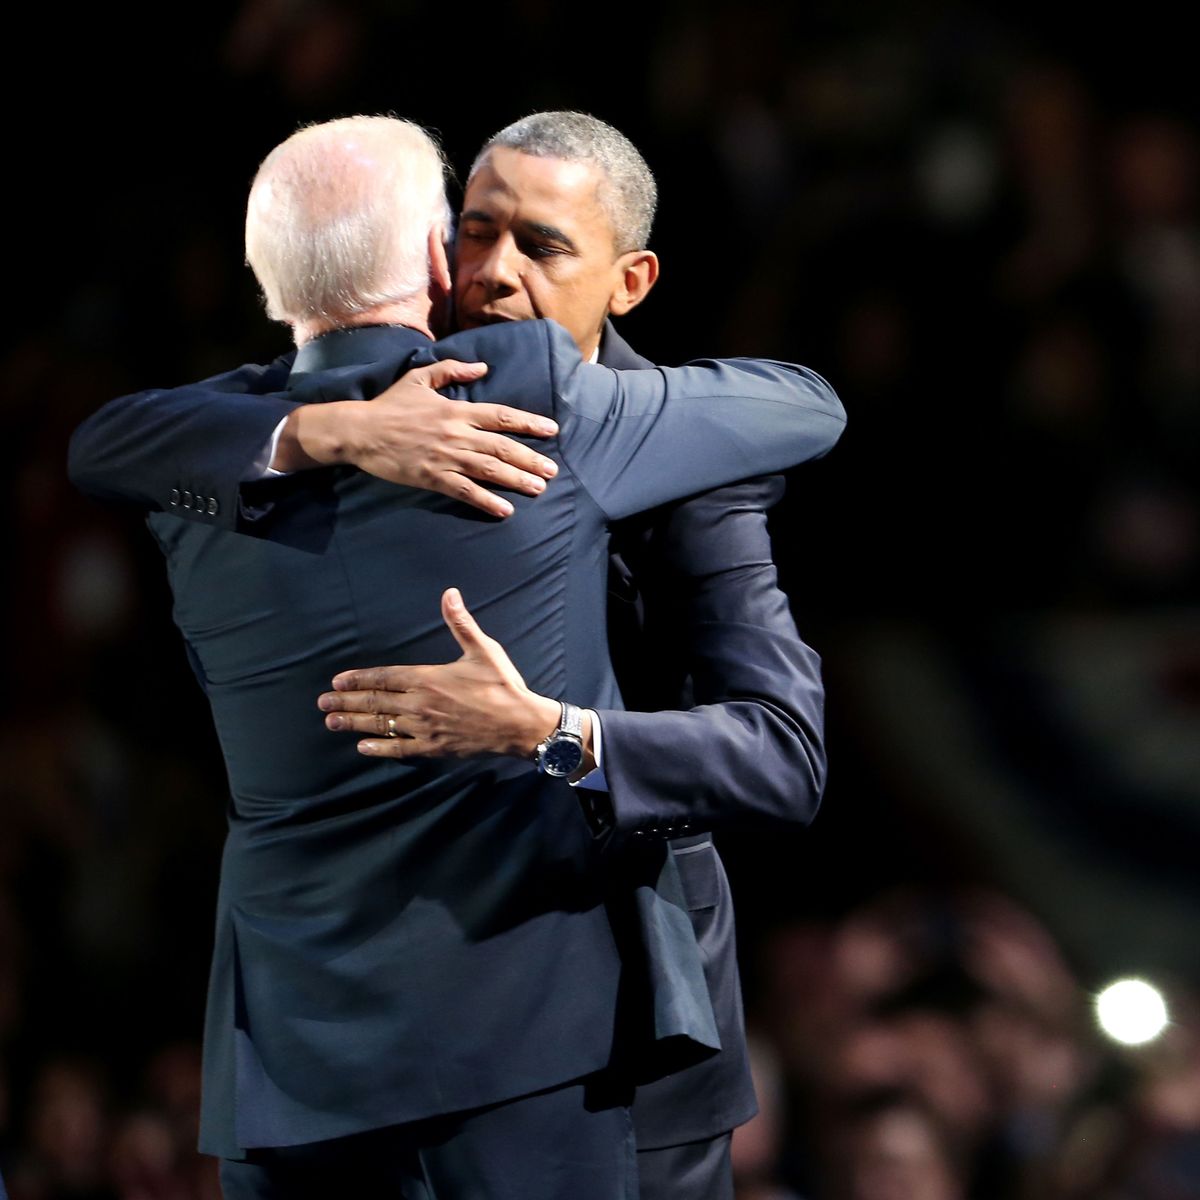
[{"x": 551, "y": 233}]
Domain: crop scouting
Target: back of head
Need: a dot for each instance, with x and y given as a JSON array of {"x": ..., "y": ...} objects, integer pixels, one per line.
[
  {"x": 628, "y": 194},
  {"x": 339, "y": 218}
]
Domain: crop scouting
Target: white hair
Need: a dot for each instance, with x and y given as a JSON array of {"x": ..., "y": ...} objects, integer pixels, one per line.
[{"x": 339, "y": 217}]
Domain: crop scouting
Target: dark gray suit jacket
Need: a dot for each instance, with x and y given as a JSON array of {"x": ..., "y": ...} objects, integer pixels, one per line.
[{"x": 396, "y": 940}]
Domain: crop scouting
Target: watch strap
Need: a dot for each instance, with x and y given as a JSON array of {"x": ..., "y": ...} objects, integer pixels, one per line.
[{"x": 571, "y": 721}]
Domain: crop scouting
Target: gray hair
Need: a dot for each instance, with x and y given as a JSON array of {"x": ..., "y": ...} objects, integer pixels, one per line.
[
  {"x": 628, "y": 193},
  {"x": 339, "y": 217}
]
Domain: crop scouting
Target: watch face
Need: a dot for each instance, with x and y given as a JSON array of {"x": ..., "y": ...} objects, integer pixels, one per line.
[{"x": 562, "y": 756}]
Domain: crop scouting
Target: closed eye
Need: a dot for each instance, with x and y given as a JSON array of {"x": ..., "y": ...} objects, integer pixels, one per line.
[{"x": 537, "y": 250}]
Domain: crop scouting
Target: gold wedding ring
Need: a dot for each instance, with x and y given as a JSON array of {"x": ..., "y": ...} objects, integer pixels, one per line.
[{"x": 391, "y": 730}]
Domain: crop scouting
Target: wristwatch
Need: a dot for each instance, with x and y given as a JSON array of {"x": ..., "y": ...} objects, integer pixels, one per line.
[{"x": 562, "y": 752}]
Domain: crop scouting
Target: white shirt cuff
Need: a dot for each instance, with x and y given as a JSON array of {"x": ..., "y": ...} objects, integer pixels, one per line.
[
  {"x": 595, "y": 779},
  {"x": 261, "y": 467}
]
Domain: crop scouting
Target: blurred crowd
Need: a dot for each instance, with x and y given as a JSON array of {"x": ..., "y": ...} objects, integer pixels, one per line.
[
  {"x": 79, "y": 1144},
  {"x": 936, "y": 1045},
  {"x": 986, "y": 235}
]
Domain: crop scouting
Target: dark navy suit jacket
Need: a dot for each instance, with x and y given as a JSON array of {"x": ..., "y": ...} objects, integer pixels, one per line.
[
  {"x": 697, "y": 622},
  {"x": 396, "y": 940}
]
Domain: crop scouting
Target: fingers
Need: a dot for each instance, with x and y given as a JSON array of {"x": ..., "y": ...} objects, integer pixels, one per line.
[
  {"x": 400, "y": 747},
  {"x": 444, "y": 372},
  {"x": 489, "y": 468},
  {"x": 493, "y": 460},
  {"x": 373, "y": 724},
  {"x": 396, "y": 735},
  {"x": 499, "y": 418},
  {"x": 461, "y": 624},
  {"x": 495, "y": 418},
  {"x": 381, "y": 713},
  {"x": 516, "y": 454},
  {"x": 373, "y": 679},
  {"x": 459, "y": 487}
]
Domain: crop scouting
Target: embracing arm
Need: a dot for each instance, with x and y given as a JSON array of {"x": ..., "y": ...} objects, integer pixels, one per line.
[
  {"x": 182, "y": 450},
  {"x": 751, "y": 753},
  {"x": 191, "y": 450},
  {"x": 638, "y": 439}
]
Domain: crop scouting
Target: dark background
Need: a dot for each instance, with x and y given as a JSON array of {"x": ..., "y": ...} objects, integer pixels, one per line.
[{"x": 980, "y": 222}]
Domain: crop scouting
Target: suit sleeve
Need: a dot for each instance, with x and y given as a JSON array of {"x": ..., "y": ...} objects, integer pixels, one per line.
[
  {"x": 183, "y": 450},
  {"x": 638, "y": 439},
  {"x": 751, "y": 753}
]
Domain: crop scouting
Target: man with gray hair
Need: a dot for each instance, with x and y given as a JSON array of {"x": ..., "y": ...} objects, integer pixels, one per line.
[
  {"x": 333, "y": 247},
  {"x": 328, "y": 243},
  {"x": 627, "y": 191},
  {"x": 416, "y": 986}
]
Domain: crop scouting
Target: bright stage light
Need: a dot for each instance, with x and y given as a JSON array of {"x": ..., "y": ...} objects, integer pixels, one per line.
[{"x": 1131, "y": 1011}]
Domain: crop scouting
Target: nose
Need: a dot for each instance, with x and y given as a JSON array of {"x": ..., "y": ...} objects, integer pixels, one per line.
[{"x": 500, "y": 271}]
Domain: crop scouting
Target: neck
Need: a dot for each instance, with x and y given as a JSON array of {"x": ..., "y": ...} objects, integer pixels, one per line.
[{"x": 414, "y": 314}]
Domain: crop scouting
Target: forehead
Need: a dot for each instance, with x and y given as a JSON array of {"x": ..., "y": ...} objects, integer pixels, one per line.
[{"x": 525, "y": 186}]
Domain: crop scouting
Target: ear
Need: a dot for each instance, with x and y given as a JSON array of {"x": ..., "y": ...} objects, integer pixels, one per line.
[
  {"x": 439, "y": 262},
  {"x": 638, "y": 274}
]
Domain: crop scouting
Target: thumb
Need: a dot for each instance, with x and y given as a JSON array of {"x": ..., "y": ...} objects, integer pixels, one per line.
[
  {"x": 462, "y": 625},
  {"x": 447, "y": 371}
]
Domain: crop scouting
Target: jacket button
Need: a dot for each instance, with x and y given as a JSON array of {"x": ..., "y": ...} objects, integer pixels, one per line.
[
  {"x": 174, "y": 497},
  {"x": 213, "y": 506},
  {"x": 187, "y": 499}
]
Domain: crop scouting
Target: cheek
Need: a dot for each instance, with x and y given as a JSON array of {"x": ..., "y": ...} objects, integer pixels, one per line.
[
  {"x": 542, "y": 297},
  {"x": 562, "y": 290}
]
